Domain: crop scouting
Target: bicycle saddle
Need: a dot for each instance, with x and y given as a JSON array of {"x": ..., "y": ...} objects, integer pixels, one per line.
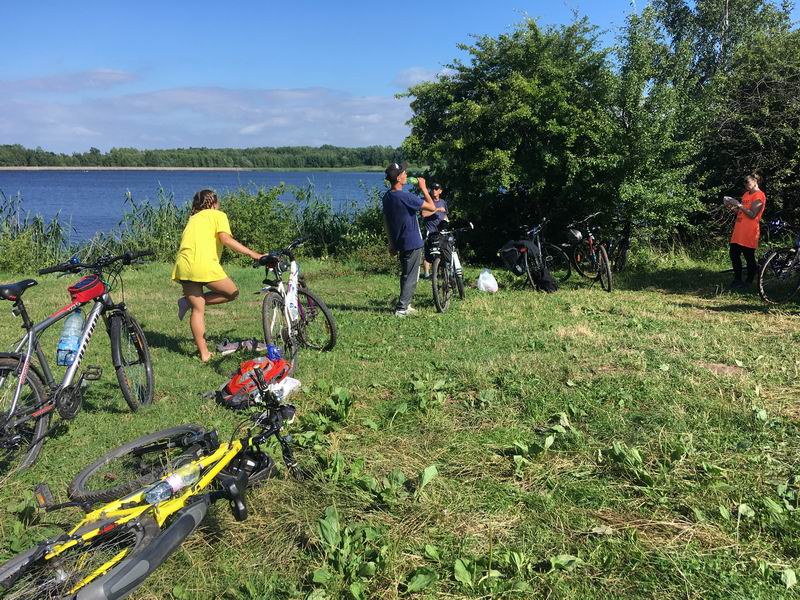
[{"x": 12, "y": 291}]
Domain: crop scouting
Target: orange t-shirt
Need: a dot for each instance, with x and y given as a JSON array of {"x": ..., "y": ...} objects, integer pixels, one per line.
[{"x": 747, "y": 230}]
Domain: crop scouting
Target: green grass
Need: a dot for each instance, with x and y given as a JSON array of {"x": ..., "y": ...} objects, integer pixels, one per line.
[{"x": 624, "y": 430}]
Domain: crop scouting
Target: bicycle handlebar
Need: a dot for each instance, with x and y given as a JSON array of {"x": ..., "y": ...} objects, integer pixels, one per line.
[
  {"x": 591, "y": 216},
  {"x": 272, "y": 257},
  {"x": 73, "y": 266}
]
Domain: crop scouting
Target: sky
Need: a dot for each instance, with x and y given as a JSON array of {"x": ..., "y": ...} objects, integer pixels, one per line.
[{"x": 170, "y": 74}]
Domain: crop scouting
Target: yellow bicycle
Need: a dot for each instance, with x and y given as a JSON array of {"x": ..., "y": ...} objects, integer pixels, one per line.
[{"x": 158, "y": 489}]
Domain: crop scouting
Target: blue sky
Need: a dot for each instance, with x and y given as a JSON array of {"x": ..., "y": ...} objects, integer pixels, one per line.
[{"x": 177, "y": 74}]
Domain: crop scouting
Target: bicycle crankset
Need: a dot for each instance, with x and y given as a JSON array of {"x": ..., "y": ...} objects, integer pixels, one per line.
[{"x": 68, "y": 402}]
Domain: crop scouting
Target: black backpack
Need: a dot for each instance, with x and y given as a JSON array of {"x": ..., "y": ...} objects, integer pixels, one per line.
[{"x": 513, "y": 258}]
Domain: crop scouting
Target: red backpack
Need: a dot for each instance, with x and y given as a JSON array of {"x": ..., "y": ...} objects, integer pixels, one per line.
[{"x": 241, "y": 390}]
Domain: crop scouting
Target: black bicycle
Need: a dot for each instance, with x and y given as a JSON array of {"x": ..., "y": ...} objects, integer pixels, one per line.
[
  {"x": 446, "y": 272},
  {"x": 29, "y": 392},
  {"x": 779, "y": 272},
  {"x": 589, "y": 255}
]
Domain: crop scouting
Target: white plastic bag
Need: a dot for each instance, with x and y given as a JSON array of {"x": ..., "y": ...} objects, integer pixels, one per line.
[{"x": 487, "y": 282}]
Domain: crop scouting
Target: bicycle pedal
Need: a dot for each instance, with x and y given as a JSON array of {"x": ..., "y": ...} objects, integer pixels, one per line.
[
  {"x": 92, "y": 373},
  {"x": 43, "y": 496}
]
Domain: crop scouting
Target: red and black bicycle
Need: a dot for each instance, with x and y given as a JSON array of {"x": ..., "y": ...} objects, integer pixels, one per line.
[{"x": 29, "y": 392}]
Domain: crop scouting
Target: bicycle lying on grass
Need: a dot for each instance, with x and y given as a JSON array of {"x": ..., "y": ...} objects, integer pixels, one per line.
[
  {"x": 293, "y": 316},
  {"x": 589, "y": 255},
  {"x": 446, "y": 272},
  {"x": 29, "y": 392},
  {"x": 171, "y": 478},
  {"x": 553, "y": 258}
]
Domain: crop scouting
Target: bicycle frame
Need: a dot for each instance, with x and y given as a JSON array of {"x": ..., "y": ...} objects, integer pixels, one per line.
[{"x": 291, "y": 312}]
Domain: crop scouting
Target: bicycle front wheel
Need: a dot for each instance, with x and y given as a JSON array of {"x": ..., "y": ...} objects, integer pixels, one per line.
[
  {"x": 460, "y": 285},
  {"x": 603, "y": 269},
  {"x": 132, "y": 362},
  {"x": 22, "y": 436},
  {"x": 317, "y": 329},
  {"x": 276, "y": 329},
  {"x": 440, "y": 283},
  {"x": 31, "y": 575},
  {"x": 557, "y": 262},
  {"x": 779, "y": 277},
  {"x": 136, "y": 464}
]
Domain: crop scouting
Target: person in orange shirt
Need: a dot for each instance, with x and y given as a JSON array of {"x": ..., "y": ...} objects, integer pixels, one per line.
[{"x": 746, "y": 231}]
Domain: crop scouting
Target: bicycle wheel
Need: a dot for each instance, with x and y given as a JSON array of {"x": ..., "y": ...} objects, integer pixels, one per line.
[
  {"x": 779, "y": 277},
  {"x": 22, "y": 436},
  {"x": 131, "y": 356},
  {"x": 134, "y": 465},
  {"x": 620, "y": 257},
  {"x": 603, "y": 269},
  {"x": 557, "y": 262},
  {"x": 31, "y": 575},
  {"x": 276, "y": 330},
  {"x": 584, "y": 261},
  {"x": 441, "y": 284},
  {"x": 317, "y": 329},
  {"x": 532, "y": 266}
]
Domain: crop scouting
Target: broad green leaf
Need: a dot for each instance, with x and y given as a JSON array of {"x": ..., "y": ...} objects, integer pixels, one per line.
[
  {"x": 432, "y": 552},
  {"x": 745, "y": 511},
  {"x": 773, "y": 507},
  {"x": 725, "y": 513},
  {"x": 420, "y": 579},
  {"x": 564, "y": 562},
  {"x": 788, "y": 578},
  {"x": 321, "y": 576},
  {"x": 427, "y": 476},
  {"x": 549, "y": 441},
  {"x": 461, "y": 572},
  {"x": 329, "y": 527},
  {"x": 367, "y": 569}
]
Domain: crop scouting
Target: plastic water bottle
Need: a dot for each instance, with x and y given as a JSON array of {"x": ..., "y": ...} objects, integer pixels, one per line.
[
  {"x": 412, "y": 181},
  {"x": 70, "y": 338},
  {"x": 166, "y": 488}
]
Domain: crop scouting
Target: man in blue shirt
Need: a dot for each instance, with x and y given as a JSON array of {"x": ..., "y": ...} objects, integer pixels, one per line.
[{"x": 400, "y": 210}]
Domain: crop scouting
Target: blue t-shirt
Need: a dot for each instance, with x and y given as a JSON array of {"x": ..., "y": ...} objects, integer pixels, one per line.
[
  {"x": 400, "y": 211},
  {"x": 432, "y": 221}
]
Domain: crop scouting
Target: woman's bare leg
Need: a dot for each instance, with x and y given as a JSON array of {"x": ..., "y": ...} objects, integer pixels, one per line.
[
  {"x": 221, "y": 291},
  {"x": 193, "y": 292}
]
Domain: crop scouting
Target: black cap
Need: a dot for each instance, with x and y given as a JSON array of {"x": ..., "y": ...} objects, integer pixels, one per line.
[
  {"x": 436, "y": 186},
  {"x": 393, "y": 170}
]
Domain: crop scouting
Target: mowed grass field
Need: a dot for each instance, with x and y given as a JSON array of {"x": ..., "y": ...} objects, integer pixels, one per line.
[{"x": 638, "y": 444}]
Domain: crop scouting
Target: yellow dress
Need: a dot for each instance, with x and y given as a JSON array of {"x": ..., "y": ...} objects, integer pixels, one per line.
[{"x": 200, "y": 251}]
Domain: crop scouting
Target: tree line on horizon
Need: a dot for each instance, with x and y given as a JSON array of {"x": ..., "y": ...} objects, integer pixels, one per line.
[
  {"x": 550, "y": 122},
  {"x": 291, "y": 157}
]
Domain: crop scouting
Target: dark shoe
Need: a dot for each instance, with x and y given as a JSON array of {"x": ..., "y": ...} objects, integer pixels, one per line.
[{"x": 425, "y": 276}]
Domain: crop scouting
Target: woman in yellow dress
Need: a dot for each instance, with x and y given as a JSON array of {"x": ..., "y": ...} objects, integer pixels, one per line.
[{"x": 197, "y": 264}]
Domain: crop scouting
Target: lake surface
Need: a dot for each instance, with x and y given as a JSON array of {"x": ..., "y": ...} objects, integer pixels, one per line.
[{"x": 94, "y": 201}]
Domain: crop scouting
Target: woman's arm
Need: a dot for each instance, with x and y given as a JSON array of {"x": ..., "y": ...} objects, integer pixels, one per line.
[
  {"x": 755, "y": 208},
  {"x": 228, "y": 241}
]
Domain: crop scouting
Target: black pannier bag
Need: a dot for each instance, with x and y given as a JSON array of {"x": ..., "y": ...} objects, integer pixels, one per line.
[
  {"x": 439, "y": 245},
  {"x": 514, "y": 261}
]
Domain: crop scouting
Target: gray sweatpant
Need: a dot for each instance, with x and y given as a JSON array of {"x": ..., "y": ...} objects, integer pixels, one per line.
[{"x": 409, "y": 275}]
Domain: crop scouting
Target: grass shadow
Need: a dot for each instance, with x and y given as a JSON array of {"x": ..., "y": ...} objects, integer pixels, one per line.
[{"x": 697, "y": 281}]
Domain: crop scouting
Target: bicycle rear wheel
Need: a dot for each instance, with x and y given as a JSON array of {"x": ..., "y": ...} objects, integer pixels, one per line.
[
  {"x": 779, "y": 277},
  {"x": 317, "y": 329},
  {"x": 440, "y": 282},
  {"x": 32, "y": 576},
  {"x": 557, "y": 262},
  {"x": 136, "y": 464},
  {"x": 603, "y": 269},
  {"x": 131, "y": 356},
  {"x": 22, "y": 434}
]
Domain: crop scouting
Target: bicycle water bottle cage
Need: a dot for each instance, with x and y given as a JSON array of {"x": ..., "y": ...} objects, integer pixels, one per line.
[{"x": 87, "y": 288}]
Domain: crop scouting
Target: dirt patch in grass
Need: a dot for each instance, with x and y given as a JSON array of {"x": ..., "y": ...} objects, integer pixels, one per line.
[
  {"x": 667, "y": 533},
  {"x": 570, "y": 332},
  {"x": 721, "y": 369}
]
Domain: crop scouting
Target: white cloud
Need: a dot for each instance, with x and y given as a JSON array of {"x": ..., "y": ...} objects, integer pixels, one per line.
[
  {"x": 414, "y": 75},
  {"x": 202, "y": 116},
  {"x": 95, "y": 79}
]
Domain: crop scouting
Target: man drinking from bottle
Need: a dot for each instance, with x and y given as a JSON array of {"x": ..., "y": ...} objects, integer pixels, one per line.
[{"x": 400, "y": 210}]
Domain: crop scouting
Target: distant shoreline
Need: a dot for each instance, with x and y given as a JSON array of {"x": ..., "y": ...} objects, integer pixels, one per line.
[{"x": 364, "y": 169}]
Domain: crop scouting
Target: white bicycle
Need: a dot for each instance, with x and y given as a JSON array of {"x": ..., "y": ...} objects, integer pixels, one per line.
[{"x": 292, "y": 315}]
